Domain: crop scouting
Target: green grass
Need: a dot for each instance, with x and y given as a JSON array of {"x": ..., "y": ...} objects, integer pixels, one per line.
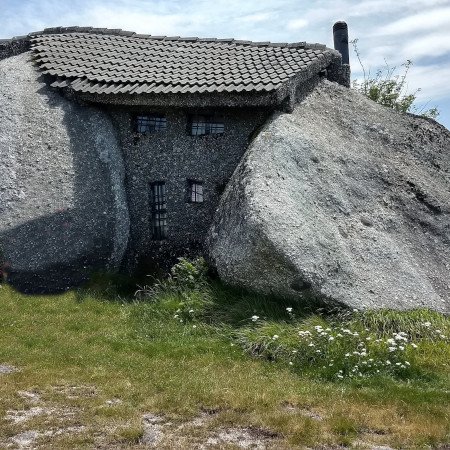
[{"x": 101, "y": 360}]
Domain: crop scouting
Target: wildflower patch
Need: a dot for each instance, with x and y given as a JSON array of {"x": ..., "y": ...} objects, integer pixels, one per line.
[{"x": 341, "y": 346}]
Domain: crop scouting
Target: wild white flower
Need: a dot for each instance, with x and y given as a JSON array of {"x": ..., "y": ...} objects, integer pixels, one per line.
[
  {"x": 407, "y": 363},
  {"x": 355, "y": 333},
  {"x": 392, "y": 349},
  {"x": 388, "y": 362},
  {"x": 413, "y": 345},
  {"x": 289, "y": 309},
  {"x": 331, "y": 338},
  {"x": 339, "y": 376},
  {"x": 175, "y": 316},
  {"x": 339, "y": 335},
  {"x": 398, "y": 364},
  {"x": 254, "y": 318},
  {"x": 363, "y": 354},
  {"x": 194, "y": 326},
  {"x": 347, "y": 355},
  {"x": 401, "y": 347},
  {"x": 427, "y": 324},
  {"x": 311, "y": 344},
  {"x": 355, "y": 310},
  {"x": 403, "y": 367},
  {"x": 438, "y": 331},
  {"x": 191, "y": 311},
  {"x": 318, "y": 327},
  {"x": 318, "y": 351},
  {"x": 442, "y": 336},
  {"x": 391, "y": 341},
  {"x": 328, "y": 329},
  {"x": 291, "y": 363},
  {"x": 275, "y": 336},
  {"x": 368, "y": 338},
  {"x": 330, "y": 365},
  {"x": 294, "y": 351}
]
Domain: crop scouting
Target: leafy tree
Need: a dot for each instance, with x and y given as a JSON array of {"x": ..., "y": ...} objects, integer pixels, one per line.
[{"x": 389, "y": 88}]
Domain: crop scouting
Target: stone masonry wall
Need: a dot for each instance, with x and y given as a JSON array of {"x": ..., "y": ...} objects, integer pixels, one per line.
[{"x": 173, "y": 156}]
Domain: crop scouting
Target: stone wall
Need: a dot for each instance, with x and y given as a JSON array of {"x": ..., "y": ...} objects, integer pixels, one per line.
[{"x": 175, "y": 157}]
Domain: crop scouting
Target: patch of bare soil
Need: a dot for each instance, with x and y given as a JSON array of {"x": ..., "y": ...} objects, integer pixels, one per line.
[
  {"x": 6, "y": 369},
  {"x": 253, "y": 438},
  {"x": 159, "y": 433}
]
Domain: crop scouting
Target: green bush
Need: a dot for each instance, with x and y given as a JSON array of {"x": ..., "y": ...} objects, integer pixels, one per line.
[{"x": 389, "y": 88}]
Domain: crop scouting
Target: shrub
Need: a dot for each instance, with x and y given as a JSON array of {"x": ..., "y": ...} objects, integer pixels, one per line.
[
  {"x": 186, "y": 292},
  {"x": 389, "y": 88}
]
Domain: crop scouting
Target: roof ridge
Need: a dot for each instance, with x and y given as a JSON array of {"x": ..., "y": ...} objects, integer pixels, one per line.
[{"x": 120, "y": 32}]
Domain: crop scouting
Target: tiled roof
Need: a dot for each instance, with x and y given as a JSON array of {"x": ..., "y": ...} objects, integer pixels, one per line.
[{"x": 114, "y": 61}]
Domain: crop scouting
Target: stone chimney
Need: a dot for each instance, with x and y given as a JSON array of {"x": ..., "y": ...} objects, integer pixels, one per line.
[
  {"x": 340, "y": 71},
  {"x": 340, "y": 36}
]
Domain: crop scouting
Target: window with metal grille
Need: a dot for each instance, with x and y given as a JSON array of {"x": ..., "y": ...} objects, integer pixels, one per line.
[
  {"x": 202, "y": 125},
  {"x": 195, "y": 191},
  {"x": 150, "y": 124},
  {"x": 159, "y": 210}
]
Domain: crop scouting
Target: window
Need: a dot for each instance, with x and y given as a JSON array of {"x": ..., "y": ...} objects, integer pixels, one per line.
[
  {"x": 195, "y": 191},
  {"x": 206, "y": 125},
  {"x": 150, "y": 124},
  {"x": 159, "y": 210}
]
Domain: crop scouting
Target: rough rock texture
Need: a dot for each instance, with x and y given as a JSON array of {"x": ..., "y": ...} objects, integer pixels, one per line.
[
  {"x": 63, "y": 210},
  {"x": 343, "y": 200}
]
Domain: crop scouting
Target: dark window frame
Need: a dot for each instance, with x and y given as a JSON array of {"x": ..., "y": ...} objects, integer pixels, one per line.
[
  {"x": 204, "y": 124},
  {"x": 195, "y": 191},
  {"x": 144, "y": 124},
  {"x": 158, "y": 202}
]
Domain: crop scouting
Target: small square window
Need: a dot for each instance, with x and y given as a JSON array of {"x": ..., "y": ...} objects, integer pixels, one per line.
[
  {"x": 195, "y": 192},
  {"x": 203, "y": 125},
  {"x": 150, "y": 124}
]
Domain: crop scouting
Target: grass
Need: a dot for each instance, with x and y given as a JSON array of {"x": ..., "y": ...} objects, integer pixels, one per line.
[{"x": 99, "y": 362}]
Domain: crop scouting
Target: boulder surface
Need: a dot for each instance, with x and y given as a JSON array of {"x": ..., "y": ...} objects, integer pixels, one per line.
[
  {"x": 63, "y": 210},
  {"x": 344, "y": 201}
]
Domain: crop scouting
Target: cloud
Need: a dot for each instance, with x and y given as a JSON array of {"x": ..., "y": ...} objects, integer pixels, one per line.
[
  {"x": 424, "y": 21},
  {"x": 297, "y": 24},
  {"x": 255, "y": 18}
]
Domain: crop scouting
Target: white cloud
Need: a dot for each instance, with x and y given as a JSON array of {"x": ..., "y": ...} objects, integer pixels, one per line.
[
  {"x": 297, "y": 24},
  {"x": 423, "y": 21},
  {"x": 255, "y": 18}
]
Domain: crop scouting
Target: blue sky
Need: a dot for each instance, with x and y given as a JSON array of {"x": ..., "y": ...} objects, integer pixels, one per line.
[{"x": 387, "y": 30}]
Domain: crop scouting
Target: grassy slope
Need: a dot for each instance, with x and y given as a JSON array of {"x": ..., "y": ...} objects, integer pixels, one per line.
[{"x": 79, "y": 350}]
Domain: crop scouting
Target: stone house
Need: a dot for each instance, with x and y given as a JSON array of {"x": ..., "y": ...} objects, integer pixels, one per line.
[{"x": 184, "y": 110}]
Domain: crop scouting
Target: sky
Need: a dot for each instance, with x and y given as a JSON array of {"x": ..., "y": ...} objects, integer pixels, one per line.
[{"x": 389, "y": 32}]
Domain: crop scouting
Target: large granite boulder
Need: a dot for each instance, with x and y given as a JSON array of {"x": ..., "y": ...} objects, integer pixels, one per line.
[
  {"x": 63, "y": 210},
  {"x": 342, "y": 200}
]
